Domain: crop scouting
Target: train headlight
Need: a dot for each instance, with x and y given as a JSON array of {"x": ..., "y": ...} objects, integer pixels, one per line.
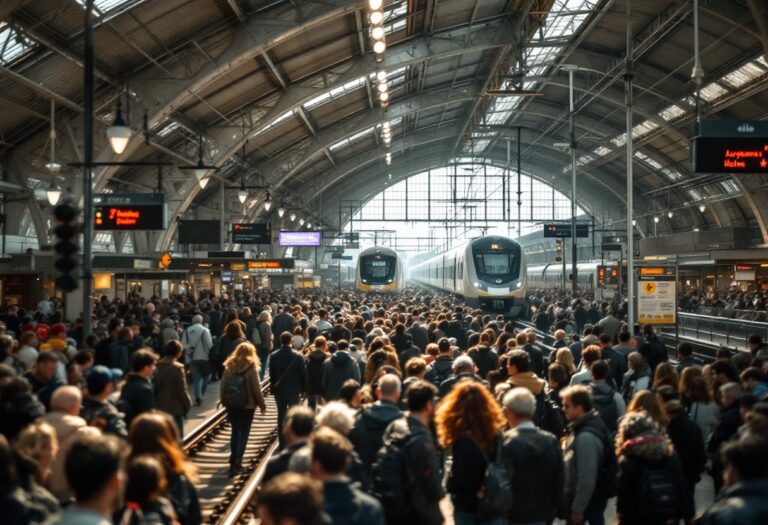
[
  {"x": 519, "y": 284},
  {"x": 389, "y": 280},
  {"x": 476, "y": 284},
  {"x": 364, "y": 280}
]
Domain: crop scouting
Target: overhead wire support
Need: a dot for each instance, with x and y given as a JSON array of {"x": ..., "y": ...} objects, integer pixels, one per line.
[{"x": 630, "y": 175}]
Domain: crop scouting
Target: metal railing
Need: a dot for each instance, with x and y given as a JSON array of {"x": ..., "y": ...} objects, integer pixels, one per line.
[{"x": 720, "y": 330}]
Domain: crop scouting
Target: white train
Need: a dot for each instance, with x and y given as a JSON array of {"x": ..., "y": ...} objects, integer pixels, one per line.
[
  {"x": 551, "y": 275},
  {"x": 487, "y": 271},
  {"x": 379, "y": 269}
]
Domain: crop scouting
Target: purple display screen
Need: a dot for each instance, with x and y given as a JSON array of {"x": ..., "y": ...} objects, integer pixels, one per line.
[{"x": 299, "y": 238}]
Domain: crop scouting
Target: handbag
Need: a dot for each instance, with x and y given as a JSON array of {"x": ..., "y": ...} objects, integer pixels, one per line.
[{"x": 495, "y": 497}]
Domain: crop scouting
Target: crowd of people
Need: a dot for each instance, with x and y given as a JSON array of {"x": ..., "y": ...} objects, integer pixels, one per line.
[{"x": 386, "y": 404}]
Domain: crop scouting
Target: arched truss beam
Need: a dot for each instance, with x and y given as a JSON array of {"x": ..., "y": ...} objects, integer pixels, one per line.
[{"x": 166, "y": 95}]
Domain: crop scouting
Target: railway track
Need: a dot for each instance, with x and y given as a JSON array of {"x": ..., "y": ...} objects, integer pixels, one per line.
[{"x": 225, "y": 500}]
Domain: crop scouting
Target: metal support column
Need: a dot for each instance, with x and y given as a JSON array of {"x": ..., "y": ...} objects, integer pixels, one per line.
[
  {"x": 87, "y": 167},
  {"x": 223, "y": 234},
  {"x": 630, "y": 177},
  {"x": 519, "y": 188},
  {"x": 574, "y": 281}
]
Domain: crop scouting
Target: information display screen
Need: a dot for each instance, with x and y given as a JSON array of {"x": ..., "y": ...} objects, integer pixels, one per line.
[
  {"x": 730, "y": 146},
  {"x": 252, "y": 233},
  {"x": 199, "y": 232},
  {"x": 288, "y": 238},
  {"x": 130, "y": 217},
  {"x": 564, "y": 230}
]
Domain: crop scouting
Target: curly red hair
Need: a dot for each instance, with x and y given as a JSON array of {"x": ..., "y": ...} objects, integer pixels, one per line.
[{"x": 469, "y": 410}]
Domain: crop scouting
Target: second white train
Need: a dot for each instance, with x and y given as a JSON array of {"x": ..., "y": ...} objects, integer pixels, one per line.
[{"x": 488, "y": 271}]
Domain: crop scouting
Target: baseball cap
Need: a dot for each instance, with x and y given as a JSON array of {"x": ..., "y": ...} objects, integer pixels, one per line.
[{"x": 99, "y": 376}]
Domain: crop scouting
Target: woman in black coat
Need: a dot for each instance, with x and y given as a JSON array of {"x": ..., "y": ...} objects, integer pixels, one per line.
[
  {"x": 314, "y": 361},
  {"x": 686, "y": 437},
  {"x": 651, "y": 487}
]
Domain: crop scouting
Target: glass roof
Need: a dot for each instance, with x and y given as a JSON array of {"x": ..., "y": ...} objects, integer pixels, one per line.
[{"x": 13, "y": 44}]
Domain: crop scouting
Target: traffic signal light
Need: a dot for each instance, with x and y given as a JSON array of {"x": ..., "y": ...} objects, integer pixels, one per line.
[
  {"x": 601, "y": 274},
  {"x": 558, "y": 246},
  {"x": 66, "y": 245}
]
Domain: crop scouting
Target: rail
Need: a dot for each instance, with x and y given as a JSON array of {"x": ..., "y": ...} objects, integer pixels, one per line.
[
  {"x": 720, "y": 330},
  {"x": 226, "y": 500}
]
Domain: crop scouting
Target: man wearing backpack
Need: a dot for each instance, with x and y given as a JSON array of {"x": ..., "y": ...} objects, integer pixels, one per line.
[
  {"x": 367, "y": 434},
  {"x": 607, "y": 401},
  {"x": 442, "y": 367},
  {"x": 590, "y": 462},
  {"x": 405, "y": 477},
  {"x": 548, "y": 415},
  {"x": 535, "y": 461}
]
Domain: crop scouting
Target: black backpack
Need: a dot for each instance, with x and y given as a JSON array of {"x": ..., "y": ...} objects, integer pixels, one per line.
[
  {"x": 608, "y": 470},
  {"x": 437, "y": 375},
  {"x": 496, "y": 495},
  {"x": 235, "y": 393},
  {"x": 391, "y": 477},
  {"x": 605, "y": 405},
  {"x": 548, "y": 415},
  {"x": 659, "y": 497}
]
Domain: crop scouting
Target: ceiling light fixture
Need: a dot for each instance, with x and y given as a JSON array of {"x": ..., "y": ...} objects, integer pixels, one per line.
[
  {"x": 375, "y": 4},
  {"x": 53, "y": 193},
  {"x": 381, "y": 75},
  {"x": 119, "y": 133},
  {"x": 656, "y": 220},
  {"x": 293, "y": 217},
  {"x": 301, "y": 222},
  {"x": 377, "y": 32},
  {"x": 242, "y": 195},
  {"x": 702, "y": 208},
  {"x": 280, "y": 212},
  {"x": 377, "y": 17},
  {"x": 268, "y": 202},
  {"x": 670, "y": 214}
]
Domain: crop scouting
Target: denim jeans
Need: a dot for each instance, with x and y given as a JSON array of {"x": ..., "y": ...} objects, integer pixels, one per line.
[
  {"x": 466, "y": 518},
  {"x": 241, "y": 420},
  {"x": 199, "y": 381},
  {"x": 263, "y": 354}
]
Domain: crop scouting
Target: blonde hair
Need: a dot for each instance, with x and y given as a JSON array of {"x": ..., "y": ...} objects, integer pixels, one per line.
[
  {"x": 564, "y": 357},
  {"x": 244, "y": 355},
  {"x": 37, "y": 440},
  {"x": 264, "y": 316}
]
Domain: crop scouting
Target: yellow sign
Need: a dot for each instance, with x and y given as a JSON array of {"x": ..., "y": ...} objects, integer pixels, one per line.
[
  {"x": 165, "y": 260},
  {"x": 649, "y": 287}
]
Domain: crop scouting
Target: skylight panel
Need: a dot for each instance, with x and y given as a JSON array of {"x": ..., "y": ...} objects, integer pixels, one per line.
[
  {"x": 285, "y": 116},
  {"x": 394, "y": 27},
  {"x": 743, "y": 75},
  {"x": 166, "y": 130},
  {"x": 351, "y": 139},
  {"x": 694, "y": 194},
  {"x": 105, "y": 6},
  {"x": 584, "y": 160},
  {"x": 620, "y": 140},
  {"x": 671, "y": 112},
  {"x": 13, "y": 44},
  {"x": 712, "y": 91},
  {"x": 729, "y": 186},
  {"x": 643, "y": 128},
  {"x": 602, "y": 151}
]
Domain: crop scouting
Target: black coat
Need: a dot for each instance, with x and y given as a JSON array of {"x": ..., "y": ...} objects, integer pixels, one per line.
[
  {"x": 287, "y": 373},
  {"x": 18, "y": 412},
  {"x": 538, "y": 474},
  {"x": 744, "y": 503},
  {"x": 282, "y": 322},
  {"x": 402, "y": 341},
  {"x": 726, "y": 428},
  {"x": 346, "y": 505},
  {"x": 43, "y": 391},
  {"x": 654, "y": 351},
  {"x": 367, "y": 435},
  {"x": 314, "y": 363},
  {"x": 467, "y": 474},
  {"x": 689, "y": 444},
  {"x": 485, "y": 360},
  {"x": 137, "y": 397},
  {"x": 537, "y": 358},
  {"x": 419, "y": 335},
  {"x": 279, "y": 462},
  {"x": 631, "y": 508}
]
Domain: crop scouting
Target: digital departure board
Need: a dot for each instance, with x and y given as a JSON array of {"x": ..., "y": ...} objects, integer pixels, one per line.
[
  {"x": 287, "y": 238},
  {"x": 730, "y": 146},
  {"x": 564, "y": 230},
  {"x": 252, "y": 233},
  {"x": 130, "y": 211}
]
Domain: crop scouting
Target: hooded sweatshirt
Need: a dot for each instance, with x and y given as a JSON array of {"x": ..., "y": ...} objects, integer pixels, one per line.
[
  {"x": 336, "y": 370},
  {"x": 528, "y": 380}
]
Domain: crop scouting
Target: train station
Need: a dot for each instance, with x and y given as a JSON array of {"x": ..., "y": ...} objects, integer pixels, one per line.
[{"x": 367, "y": 262}]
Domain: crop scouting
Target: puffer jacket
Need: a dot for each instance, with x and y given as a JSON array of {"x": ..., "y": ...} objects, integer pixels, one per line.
[
  {"x": 653, "y": 451},
  {"x": 528, "y": 380},
  {"x": 745, "y": 503},
  {"x": 68, "y": 430}
]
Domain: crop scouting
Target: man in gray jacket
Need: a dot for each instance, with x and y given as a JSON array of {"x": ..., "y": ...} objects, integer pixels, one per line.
[
  {"x": 197, "y": 344},
  {"x": 586, "y": 451}
]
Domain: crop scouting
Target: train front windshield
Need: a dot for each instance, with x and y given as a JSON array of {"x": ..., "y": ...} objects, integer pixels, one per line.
[
  {"x": 497, "y": 262},
  {"x": 377, "y": 269}
]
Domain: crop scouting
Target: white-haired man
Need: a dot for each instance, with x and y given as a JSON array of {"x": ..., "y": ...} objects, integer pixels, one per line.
[
  {"x": 463, "y": 368},
  {"x": 197, "y": 344},
  {"x": 536, "y": 462}
]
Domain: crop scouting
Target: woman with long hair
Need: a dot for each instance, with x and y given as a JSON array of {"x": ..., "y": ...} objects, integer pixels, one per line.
[
  {"x": 686, "y": 379},
  {"x": 170, "y": 385},
  {"x": 642, "y": 447},
  {"x": 240, "y": 395},
  {"x": 155, "y": 433},
  {"x": 469, "y": 422},
  {"x": 145, "y": 490},
  {"x": 564, "y": 357},
  {"x": 646, "y": 401},
  {"x": 314, "y": 362},
  {"x": 234, "y": 334},
  {"x": 665, "y": 374},
  {"x": 702, "y": 408}
]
